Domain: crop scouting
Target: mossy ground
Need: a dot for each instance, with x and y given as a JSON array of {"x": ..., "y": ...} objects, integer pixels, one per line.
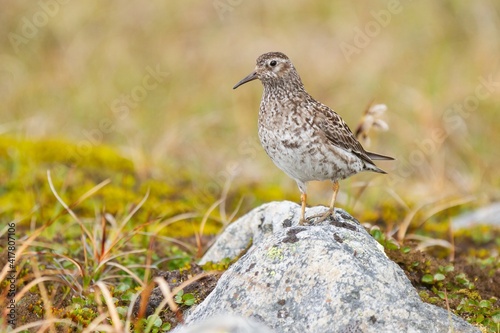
[
  {"x": 468, "y": 286},
  {"x": 111, "y": 226},
  {"x": 25, "y": 195}
]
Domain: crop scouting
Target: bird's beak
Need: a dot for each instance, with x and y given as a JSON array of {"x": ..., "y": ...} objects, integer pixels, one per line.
[{"x": 252, "y": 76}]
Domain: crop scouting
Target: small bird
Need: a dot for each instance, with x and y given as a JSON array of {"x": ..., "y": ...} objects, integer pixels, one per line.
[{"x": 304, "y": 138}]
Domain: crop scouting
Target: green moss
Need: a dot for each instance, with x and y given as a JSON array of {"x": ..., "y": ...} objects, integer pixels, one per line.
[
  {"x": 466, "y": 288},
  {"x": 25, "y": 194},
  {"x": 217, "y": 266}
]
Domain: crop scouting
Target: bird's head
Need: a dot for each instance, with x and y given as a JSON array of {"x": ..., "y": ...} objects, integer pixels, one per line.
[{"x": 272, "y": 69}]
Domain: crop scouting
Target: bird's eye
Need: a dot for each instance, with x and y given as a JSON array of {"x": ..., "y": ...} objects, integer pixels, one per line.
[{"x": 273, "y": 63}]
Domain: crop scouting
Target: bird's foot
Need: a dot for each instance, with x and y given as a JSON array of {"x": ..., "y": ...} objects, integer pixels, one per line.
[{"x": 318, "y": 218}]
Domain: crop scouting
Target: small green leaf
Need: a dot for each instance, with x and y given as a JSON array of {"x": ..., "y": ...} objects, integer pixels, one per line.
[
  {"x": 496, "y": 318},
  {"x": 155, "y": 319},
  {"x": 377, "y": 234},
  {"x": 178, "y": 297},
  {"x": 472, "y": 302},
  {"x": 78, "y": 300},
  {"x": 427, "y": 278},
  {"x": 449, "y": 268},
  {"x": 439, "y": 277},
  {"x": 485, "y": 304},
  {"x": 391, "y": 245},
  {"x": 122, "y": 287},
  {"x": 462, "y": 279},
  {"x": 188, "y": 299},
  {"x": 122, "y": 311},
  {"x": 189, "y": 302},
  {"x": 127, "y": 296},
  {"x": 406, "y": 249}
]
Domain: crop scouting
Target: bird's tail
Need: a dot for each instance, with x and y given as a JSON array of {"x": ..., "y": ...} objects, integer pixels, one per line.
[
  {"x": 374, "y": 168},
  {"x": 375, "y": 156}
]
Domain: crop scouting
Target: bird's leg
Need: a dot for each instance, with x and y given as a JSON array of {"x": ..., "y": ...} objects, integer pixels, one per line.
[
  {"x": 303, "y": 200},
  {"x": 331, "y": 210},
  {"x": 336, "y": 188}
]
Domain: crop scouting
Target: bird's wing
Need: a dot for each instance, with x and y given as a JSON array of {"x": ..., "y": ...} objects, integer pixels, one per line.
[
  {"x": 338, "y": 133},
  {"x": 376, "y": 156}
]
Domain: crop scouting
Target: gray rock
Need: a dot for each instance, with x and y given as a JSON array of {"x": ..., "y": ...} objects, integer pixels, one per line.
[
  {"x": 263, "y": 222},
  {"x": 327, "y": 277},
  {"x": 225, "y": 324},
  {"x": 489, "y": 215}
]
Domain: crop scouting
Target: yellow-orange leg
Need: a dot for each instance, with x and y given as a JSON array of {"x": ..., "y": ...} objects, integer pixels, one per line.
[
  {"x": 336, "y": 187},
  {"x": 303, "y": 200},
  {"x": 331, "y": 211}
]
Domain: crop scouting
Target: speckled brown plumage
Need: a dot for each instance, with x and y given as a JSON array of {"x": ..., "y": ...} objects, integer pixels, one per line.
[{"x": 304, "y": 138}]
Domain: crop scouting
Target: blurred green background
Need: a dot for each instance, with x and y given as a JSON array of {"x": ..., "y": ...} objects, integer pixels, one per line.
[{"x": 83, "y": 72}]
